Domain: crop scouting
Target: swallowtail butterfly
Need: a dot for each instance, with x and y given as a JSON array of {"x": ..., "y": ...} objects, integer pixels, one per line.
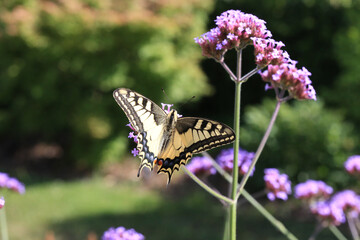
[{"x": 164, "y": 138}]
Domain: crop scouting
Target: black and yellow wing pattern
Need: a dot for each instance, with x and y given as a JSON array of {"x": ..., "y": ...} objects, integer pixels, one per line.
[{"x": 165, "y": 139}]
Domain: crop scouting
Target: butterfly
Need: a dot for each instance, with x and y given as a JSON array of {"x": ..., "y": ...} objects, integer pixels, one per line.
[{"x": 166, "y": 139}]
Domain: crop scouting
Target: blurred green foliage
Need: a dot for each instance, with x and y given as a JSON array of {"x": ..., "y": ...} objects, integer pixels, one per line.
[
  {"x": 61, "y": 60},
  {"x": 307, "y": 141},
  {"x": 345, "y": 92}
]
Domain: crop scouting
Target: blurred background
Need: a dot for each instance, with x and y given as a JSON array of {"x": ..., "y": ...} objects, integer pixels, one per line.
[{"x": 64, "y": 136}]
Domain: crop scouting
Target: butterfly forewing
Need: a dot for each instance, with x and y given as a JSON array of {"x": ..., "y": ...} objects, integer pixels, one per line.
[
  {"x": 142, "y": 113},
  {"x": 147, "y": 119},
  {"x": 193, "y": 135}
]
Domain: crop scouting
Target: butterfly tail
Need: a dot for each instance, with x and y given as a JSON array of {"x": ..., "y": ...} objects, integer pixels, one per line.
[
  {"x": 167, "y": 171},
  {"x": 169, "y": 167},
  {"x": 145, "y": 163}
]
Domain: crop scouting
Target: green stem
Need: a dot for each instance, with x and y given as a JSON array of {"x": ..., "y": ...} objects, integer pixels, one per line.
[
  {"x": 207, "y": 188},
  {"x": 3, "y": 223},
  {"x": 352, "y": 227},
  {"x": 235, "y": 172},
  {"x": 319, "y": 227},
  {"x": 268, "y": 216},
  {"x": 337, "y": 233},
  {"x": 255, "y": 196},
  {"x": 218, "y": 168},
  {"x": 357, "y": 224},
  {"x": 249, "y": 74},
  {"x": 253, "y": 202},
  {"x": 226, "y": 227},
  {"x": 227, "y": 69},
  {"x": 260, "y": 148}
]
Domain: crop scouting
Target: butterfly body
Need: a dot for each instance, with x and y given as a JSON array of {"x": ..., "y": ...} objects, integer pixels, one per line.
[{"x": 164, "y": 138}]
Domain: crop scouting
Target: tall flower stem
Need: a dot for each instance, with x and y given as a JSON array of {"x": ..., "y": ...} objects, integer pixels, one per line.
[
  {"x": 357, "y": 224},
  {"x": 253, "y": 202},
  {"x": 235, "y": 173},
  {"x": 226, "y": 227},
  {"x": 352, "y": 227},
  {"x": 249, "y": 74},
  {"x": 3, "y": 225},
  {"x": 228, "y": 70},
  {"x": 260, "y": 148},
  {"x": 207, "y": 188},
  {"x": 316, "y": 232},
  {"x": 269, "y": 217},
  {"x": 337, "y": 233}
]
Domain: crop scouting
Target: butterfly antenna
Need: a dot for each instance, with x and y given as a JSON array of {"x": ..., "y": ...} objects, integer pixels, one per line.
[
  {"x": 168, "y": 99},
  {"x": 190, "y": 99},
  {"x": 166, "y": 96}
]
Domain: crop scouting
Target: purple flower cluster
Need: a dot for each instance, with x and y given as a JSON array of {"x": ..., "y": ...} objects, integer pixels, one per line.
[
  {"x": 278, "y": 185},
  {"x": 226, "y": 160},
  {"x": 334, "y": 211},
  {"x": 313, "y": 190},
  {"x": 234, "y": 30},
  {"x": 120, "y": 233},
  {"x": 11, "y": 183},
  {"x": 201, "y": 166},
  {"x": 328, "y": 213},
  {"x": 348, "y": 201},
  {"x": 287, "y": 77},
  {"x": 352, "y": 165},
  {"x": 267, "y": 51},
  {"x": 167, "y": 108},
  {"x": 133, "y": 135}
]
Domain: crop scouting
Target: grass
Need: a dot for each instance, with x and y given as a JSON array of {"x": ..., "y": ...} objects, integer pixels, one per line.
[{"x": 73, "y": 210}]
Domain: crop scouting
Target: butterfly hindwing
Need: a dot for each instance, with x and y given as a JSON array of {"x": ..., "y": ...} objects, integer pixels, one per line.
[
  {"x": 147, "y": 119},
  {"x": 201, "y": 134},
  {"x": 193, "y": 135}
]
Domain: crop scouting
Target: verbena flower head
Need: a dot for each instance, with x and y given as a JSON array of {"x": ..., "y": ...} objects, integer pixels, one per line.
[
  {"x": 201, "y": 166},
  {"x": 278, "y": 185},
  {"x": 348, "y": 201},
  {"x": 328, "y": 213},
  {"x": 2, "y": 202},
  {"x": 313, "y": 190},
  {"x": 11, "y": 183},
  {"x": 287, "y": 77},
  {"x": 226, "y": 160},
  {"x": 120, "y": 233},
  {"x": 268, "y": 51},
  {"x": 352, "y": 165},
  {"x": 234, "y": 30}
]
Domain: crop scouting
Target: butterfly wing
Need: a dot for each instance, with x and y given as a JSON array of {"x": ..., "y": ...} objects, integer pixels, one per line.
[
  {"x": 192, "y": 135},
  {"x": 147, "y": 119}
]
